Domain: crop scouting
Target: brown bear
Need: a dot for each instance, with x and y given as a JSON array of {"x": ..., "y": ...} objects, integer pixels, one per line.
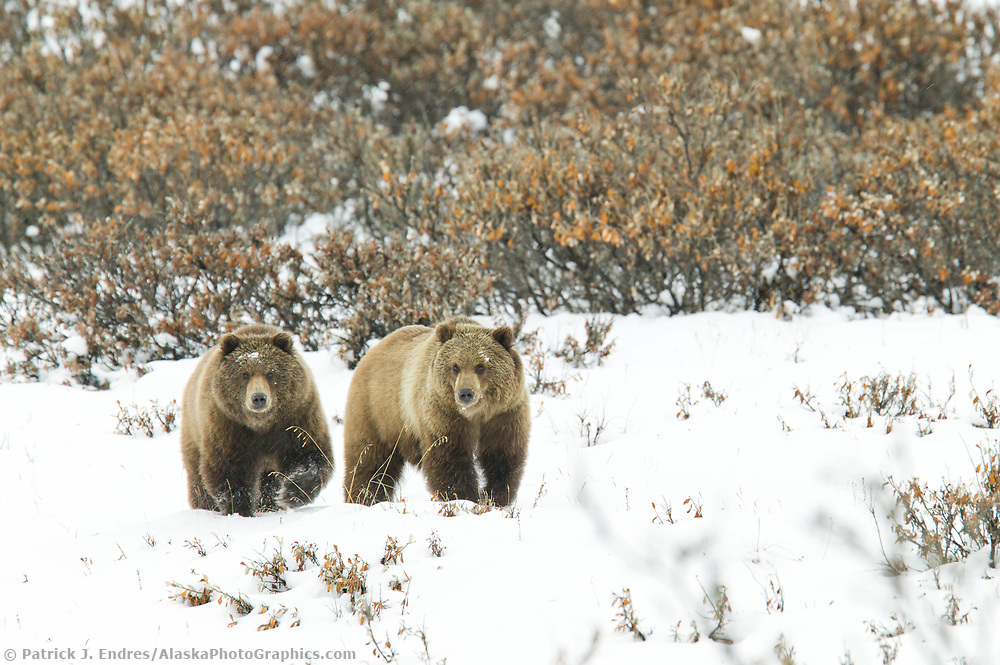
[
  {"x": 441, "y": 398},
  {"x": 247, "y": 410}
]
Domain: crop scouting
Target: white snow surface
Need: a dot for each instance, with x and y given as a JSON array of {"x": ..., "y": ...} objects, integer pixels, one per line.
[
  {"x": 97, "y": 525},
  {"x": 752, "y": 35},
  {"x": 460, "y": 118}
]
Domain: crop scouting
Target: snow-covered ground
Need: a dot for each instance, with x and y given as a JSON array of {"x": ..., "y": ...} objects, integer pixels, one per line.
[{"x": 793, "y": 521}]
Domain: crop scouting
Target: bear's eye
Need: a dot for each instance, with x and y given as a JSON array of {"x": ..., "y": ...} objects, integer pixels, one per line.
[
  {"x": 480, "y": 369},
  {"x": 270, "y": 376},
  {"x": 246, "y": 376},
  {"x": 454, "y": 369}
]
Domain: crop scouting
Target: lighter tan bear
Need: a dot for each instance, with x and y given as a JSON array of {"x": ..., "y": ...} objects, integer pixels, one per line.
[{"x": 443, "y": 399}]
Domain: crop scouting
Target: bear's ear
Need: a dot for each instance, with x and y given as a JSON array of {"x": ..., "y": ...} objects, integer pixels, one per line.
[
  {"x": 228, "y": 343},
  {"x": 283, "y": 341},
  {"x": 504, "y": 336},
  {"x": 445, "y": 331}
]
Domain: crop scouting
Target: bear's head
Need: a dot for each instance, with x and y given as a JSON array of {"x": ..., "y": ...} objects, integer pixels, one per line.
[
  {"x": 259, "y": 376},
  {"x": 476, "y": 368}
]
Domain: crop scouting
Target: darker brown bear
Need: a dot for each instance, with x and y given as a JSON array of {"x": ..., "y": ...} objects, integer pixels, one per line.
[
  {"x": 442, "y": 398},
  {"x": 247, "y": 409}
]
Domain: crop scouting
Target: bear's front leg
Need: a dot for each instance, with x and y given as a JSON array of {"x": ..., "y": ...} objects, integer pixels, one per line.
[
  {"x": 198, "y": 496},
  {"x": 301, "y": 484},
  {"x": 237, "y": 499},
  {"x": 232, "y": 489},
  {"x": 503, "y": 448},
  {"x": 448, "y": 464},
  {"x": 270, "y": 484}
]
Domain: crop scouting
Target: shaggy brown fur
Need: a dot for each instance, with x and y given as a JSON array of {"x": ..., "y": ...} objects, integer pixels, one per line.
[
  {"x": 441, "y": 398},
  {"x": 238, "y": 407}
]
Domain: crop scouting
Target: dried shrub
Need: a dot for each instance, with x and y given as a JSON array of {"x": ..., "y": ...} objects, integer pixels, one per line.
[
  {"x": 435, "y": 545},
  {"x": 372, "y": 288},
  {"x": 918, "y": 217},
  {"x": 712, "y": 189},
  {"x": 694, "y": 506},
  {"x": 949, "y": 523},
  {"x": 593, "y": 350},
  {"x": 987, "y": 409},
  {"x": 344, "y": 578},
  {"x": 715, "y": 396},
  {"x": 414, "y": 61},
  {"x": 134, "y": 295},
  {"x": 111, "y": 111},
  {"x": 193, "y": 596},
  {"x": 304, "y": 555},
  {"x": 269, "y": 572},
  {"x": 907, "y": 59},
  {"x": 134, "y": 419},
  {"x": 196, "y": 545},
  {"x": 518, "y": 62},
  {"x": 592, "y": 427},
  {"x": 685, "y": 401},
  {"x": 612, "y": 214},
  {"x": 393, "y": 552},
  {"x": 272, "y": 621},
  {"x": 701, "y": 198},
  {"x": 721, "y": 611},
  {"x": 692, "y": 155},
  {"x": 540, "y": 382},
  {"x": 239, "y": 602},
  {"x": 626, "y": 621},
  {"x": 882, "y": 394}
]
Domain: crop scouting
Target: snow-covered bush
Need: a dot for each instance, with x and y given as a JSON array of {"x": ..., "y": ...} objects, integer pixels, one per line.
[
  {"x": 690, "y": 155},
  {"x": 120, "y": 296},
  {"x": 370, "y": 288},
  {"x": 111, "y": 112},
  {"x": 134, "y": 295}
]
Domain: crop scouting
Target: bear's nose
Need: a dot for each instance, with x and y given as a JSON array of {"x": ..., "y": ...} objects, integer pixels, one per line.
[
  {"x": 258, "y": 401},
  {"x": 466, "y": 395}
]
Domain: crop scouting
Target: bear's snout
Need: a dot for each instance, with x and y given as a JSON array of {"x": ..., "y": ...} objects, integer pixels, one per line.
[
  {"x": 258, "y": 395},
  {"x": 466, "y": 395}
]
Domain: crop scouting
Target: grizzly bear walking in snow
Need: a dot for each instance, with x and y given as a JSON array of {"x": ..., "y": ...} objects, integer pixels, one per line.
[
  {"x": 247, "y": 410},
  {"x": 441, "y": 398}
]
